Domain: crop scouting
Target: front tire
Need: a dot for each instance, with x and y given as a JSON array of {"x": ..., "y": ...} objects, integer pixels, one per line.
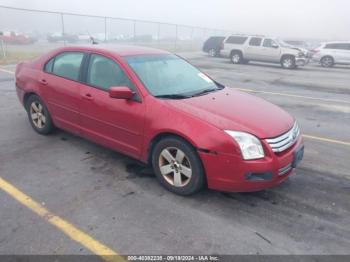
[
  {"x": 39, "y": 116},
  {"x": 327, "y": 61},
  {"x": 288, "y": 62},
  {"x": 177, "y": 166}
]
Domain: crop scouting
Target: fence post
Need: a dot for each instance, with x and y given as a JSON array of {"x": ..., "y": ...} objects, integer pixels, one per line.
[
  {"x": 63, "y": 30},
  {"x": 175, "y": 37},
  {"x": 158, "y": 35},
  {"x": 192, "y": 40},
  {"x": 3, "y": 48},
  {"x": 105, "y": 29},
  {"x": 134, "y": 32}
]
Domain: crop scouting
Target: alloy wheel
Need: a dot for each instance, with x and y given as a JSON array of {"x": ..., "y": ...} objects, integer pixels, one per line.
[
  {"x": 212, "y": 52},
  {"x": 327, "y": 61},
  {"x": 287, "y": 62},
  {"x": 236, "y": 58},
  {"x": 37, "y": 114},
  {"x": 175, "y": 167}
]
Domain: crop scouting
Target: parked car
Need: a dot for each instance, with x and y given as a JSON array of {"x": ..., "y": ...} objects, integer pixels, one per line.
[
  {"x": 242, "y": 49},
  {"x": 332, "y": 53},
  {"x": 156, "y": 107},
  {"x": 60, "y": 37},
  {"x": 10, "y": 37},
  {"x": 213, "y": 45}
]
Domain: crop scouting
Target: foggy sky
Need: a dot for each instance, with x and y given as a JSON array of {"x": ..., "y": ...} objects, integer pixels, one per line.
[{"x": 324, "y": 19}]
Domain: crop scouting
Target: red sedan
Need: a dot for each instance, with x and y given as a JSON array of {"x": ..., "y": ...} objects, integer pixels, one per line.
[{"x": 156, "y": 107}]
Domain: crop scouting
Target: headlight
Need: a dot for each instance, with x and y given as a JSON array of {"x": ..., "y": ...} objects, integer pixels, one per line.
[
  {"x": 250, "y": 146},
  {"x": 301, "y": 54}
]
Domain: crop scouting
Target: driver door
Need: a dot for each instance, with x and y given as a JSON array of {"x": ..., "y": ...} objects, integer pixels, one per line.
[
  {"x": 115, "y": 123},
  {"x": 271, "y": 50}
]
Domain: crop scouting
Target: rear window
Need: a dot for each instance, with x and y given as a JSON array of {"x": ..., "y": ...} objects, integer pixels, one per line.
[
  {"x": 255, "y": 41},
  {"x": 215, "y": 39},
  {"x": 236, "y": 40},
  {"x": 66, "y": 65}
]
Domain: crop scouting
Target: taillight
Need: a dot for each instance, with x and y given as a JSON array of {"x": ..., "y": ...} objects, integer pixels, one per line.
[{"x": 315, "y": 51}]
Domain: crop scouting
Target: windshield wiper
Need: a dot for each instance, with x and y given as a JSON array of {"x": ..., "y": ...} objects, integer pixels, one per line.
[
  {"x": 205, "y": 91},
  {"x": 173, "y": 96}
]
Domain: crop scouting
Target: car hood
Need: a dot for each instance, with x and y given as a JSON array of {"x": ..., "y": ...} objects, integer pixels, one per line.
[{"x": 229, "y": 109}]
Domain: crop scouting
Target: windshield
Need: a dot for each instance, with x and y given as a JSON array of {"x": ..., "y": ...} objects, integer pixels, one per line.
[{"x": 169, "y": 75}]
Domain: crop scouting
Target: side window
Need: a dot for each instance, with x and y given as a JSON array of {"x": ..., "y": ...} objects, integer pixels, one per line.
[
  {"x": 67, "y": 65},
  {"x": 343, "y": 46},
  {"x": 105, "y": 73},
  {"x": 255, "y": 41},
  {"x": 236, "y": 40},
  {"x": 269, "y": 43},
  {"x": 331, "y": 46},
  {"x": 49, "y": 65}
]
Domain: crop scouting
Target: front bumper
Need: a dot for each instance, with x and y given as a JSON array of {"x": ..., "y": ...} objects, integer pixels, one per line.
[
  {"x": 20, "y": 94},
  {"x": 301, "y": 61},
  {"x": 230, "y": 173}
]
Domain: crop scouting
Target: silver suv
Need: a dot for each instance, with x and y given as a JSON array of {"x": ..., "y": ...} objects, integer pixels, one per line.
[
  {"x": 241, "y": 49},
  {"x": 331, "y": 53}
]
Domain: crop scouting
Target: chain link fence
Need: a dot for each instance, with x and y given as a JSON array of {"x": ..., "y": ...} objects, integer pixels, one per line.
[{"x": 27, "y": 33}]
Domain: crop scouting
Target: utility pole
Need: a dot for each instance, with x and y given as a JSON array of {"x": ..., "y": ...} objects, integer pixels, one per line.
[
  {"x": 2, "y": 46},
  {"x": 63, "y": 33}
]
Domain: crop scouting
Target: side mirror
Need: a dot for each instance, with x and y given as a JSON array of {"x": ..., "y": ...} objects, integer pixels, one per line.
[
  {"x": 274, "y": 45},
  {"x": 121, "y": 92}
]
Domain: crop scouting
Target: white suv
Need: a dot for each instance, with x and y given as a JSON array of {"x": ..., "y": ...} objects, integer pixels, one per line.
[
  {"x": 331, "y": 53},
  {"x": 241, "y": 49}
]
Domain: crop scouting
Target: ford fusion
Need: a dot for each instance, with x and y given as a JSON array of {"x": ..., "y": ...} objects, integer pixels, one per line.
[{"x": 155, "y": 107}]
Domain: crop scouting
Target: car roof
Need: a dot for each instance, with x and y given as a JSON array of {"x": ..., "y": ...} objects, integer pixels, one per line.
[
  {"x": 119, "y": 50},
  {"x": 244, "y": 35},
  {"x": 337, "y": 42}
]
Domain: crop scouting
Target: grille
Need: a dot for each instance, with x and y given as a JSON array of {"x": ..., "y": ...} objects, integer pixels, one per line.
[{"x": 285, "y": 141}]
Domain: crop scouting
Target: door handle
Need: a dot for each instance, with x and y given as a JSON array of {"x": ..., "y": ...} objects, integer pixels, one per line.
[
  {"x": 43, "y": 82},
  {"x": 88, "y": 97}
]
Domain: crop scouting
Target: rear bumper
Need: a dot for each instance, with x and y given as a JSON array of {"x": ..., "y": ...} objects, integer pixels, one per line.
[{"x": 231, "y": 173}]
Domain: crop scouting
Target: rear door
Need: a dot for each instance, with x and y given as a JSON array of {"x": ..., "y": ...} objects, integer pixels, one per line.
[
  {"x": 233, "y": 43},
  {"x": 115, "y": 123},
  {"x": 253, "y": 50},
  {"x": 60, "y": 81}
]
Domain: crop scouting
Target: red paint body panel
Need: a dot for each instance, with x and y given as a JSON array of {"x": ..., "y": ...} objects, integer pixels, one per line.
[{"x": 130, "y": 126}]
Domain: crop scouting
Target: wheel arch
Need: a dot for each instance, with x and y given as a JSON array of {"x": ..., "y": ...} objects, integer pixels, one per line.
[
  {"x": 286, "y": 55},
  {"x": 236, "y": 50},
  {"x": 26, "y": 97},
  {"x": 328, "y": 55},
  {"x": 156, "y": 138}
]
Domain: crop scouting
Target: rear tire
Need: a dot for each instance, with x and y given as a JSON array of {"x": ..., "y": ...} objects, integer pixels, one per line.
[
  {"x": 288, "y": 62},
  {"x": 236, "y": 57},
  {"x": 212, "y": 52},
  {"x": 177, "y": 166},
  {"x": 327, "y": 61},
  {"x": 38, "y": 115}
]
